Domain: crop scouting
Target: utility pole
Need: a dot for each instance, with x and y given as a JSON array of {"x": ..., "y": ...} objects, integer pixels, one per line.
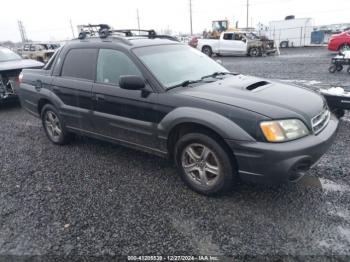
[
  {"x": 191, "y": 17},
  {"x": 138, "y": 19},
  {"x": 71, "y": 27},
  {"x": 22, "y": 31},
  {"x": 247, "y": 14}
]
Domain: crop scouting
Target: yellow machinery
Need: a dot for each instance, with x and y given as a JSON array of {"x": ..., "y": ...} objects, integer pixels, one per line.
[{"x": 220, "y": 26}]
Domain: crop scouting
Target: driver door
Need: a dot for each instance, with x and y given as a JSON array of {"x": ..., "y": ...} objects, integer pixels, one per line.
[{"x": 124, "y": 115}]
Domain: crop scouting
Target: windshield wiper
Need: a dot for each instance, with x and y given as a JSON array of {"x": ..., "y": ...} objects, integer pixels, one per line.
[
  {"x": 188, "y": 82},
  {"x": 184, "y": 83},
  {"x": 215, "y": 74}
]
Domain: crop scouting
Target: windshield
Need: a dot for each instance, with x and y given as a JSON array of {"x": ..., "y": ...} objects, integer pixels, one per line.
[
  {"x": 8, "y": 55},
  {"x": 174, "y": 64}
]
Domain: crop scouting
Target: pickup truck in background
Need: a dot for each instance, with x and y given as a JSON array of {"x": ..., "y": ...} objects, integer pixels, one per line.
[
  {"x": 41, "y": 52},
  {"x": 236, "y": 43}
]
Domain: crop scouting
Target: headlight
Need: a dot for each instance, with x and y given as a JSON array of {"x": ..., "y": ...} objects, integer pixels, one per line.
[{"x": 283, "y": 130}]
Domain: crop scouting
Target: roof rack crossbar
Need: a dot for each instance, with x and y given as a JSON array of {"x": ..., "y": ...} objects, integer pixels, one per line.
[{"x": 104, "y": 30}]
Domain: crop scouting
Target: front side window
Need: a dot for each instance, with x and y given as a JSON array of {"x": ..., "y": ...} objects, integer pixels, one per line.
[
  {"x": 80, "y": 63},
  {"x": 112, "y": 64},
  {"x": 238, "y": 37},
  {"x": 174, "y": 64}
]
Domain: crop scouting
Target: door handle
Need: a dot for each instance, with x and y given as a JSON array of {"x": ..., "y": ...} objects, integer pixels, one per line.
[{"x": 38, "y": 85}]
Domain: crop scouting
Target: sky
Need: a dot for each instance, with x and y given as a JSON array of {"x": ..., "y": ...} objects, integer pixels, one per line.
[{"x": 45, "y": 20}]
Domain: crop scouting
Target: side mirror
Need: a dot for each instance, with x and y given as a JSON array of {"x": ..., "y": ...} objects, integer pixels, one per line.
[
  {"x": 244, "y": 40},
  {"x": 132, "y": 82}
]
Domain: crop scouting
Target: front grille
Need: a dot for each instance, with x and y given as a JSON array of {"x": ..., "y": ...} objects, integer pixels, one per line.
[{"x": 320, "y": 121}]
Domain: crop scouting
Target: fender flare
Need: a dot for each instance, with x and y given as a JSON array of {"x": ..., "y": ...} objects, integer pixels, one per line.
[{"x": 222, "y": 125}]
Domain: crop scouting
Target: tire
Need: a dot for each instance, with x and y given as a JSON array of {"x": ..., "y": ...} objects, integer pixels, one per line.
[
  {"x": 332, "y": 69},
  {"x": 339, "y": 68},
  {"x": 54, "y": 126},
  {"x": 344, "y": 47},
  {"x": 348, "y": 70},
  {"x": 254, "y": 52},
  {"x": 211, "y": 174},
  {"x": 284, "y": 44},
  {"x": 207, "y": 50}
]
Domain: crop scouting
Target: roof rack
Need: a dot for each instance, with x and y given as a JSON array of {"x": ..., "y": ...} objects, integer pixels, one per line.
[{"x": 104, "y": 30}]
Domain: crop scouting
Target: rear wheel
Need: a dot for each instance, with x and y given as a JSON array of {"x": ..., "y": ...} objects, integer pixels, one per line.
[
  {"x": 207, "y": 50},
  {"x": 54, "y": 126},
  {"x": 204, "y": 164},
  {"x": 339, "y": 68},
  {"x": 348, "y": 70}
]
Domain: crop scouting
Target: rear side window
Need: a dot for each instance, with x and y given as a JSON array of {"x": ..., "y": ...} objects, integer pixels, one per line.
[
  {"x": 228, "y": 36},
  {"x": 112, "y": 64},
  {"x": 80, "y": 63}
]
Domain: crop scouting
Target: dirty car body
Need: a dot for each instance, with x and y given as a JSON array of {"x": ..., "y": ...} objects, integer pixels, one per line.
[
  {"x": 11, "y": 66},
  {"x": 174, "y": 100}
]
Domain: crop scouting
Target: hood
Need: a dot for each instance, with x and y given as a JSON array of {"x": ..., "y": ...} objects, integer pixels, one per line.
[
  {"x": 271, "y": 99},
  {"x": 20, "y": 64}
]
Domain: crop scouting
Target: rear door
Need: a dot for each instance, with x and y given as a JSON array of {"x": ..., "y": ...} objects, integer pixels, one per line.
[
  {"x": 73, "y": 86},
  {"x": 125, "y": 115}
]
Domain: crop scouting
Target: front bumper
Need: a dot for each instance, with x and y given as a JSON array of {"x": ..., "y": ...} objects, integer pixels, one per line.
[{"x": 282, "y": 162}]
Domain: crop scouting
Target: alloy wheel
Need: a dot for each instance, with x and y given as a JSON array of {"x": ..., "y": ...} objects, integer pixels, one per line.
[
  {"x": 200, "y": 165},
  {"x": 52, "y": 125}
]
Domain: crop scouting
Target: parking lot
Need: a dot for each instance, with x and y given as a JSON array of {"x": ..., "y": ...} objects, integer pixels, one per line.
[{"x": 94, "y": 198}]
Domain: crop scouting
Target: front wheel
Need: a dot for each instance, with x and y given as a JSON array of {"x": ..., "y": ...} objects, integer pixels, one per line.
[
  {"x": 204, "y": 164},
  {"x": 54, "y": 126},
  {"x": 254, "y": 52},
  {"x": 332, "y": 69}
]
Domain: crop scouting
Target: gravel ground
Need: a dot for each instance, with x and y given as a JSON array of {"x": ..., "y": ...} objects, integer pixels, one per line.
[{"x": 93, "y": 198}]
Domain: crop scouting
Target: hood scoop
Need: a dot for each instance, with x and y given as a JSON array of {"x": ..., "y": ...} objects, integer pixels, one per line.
[{"x": 256, "y": 85}]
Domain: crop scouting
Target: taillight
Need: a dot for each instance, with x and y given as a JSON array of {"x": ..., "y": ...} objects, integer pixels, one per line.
[{"x": 19, "y": 78}]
